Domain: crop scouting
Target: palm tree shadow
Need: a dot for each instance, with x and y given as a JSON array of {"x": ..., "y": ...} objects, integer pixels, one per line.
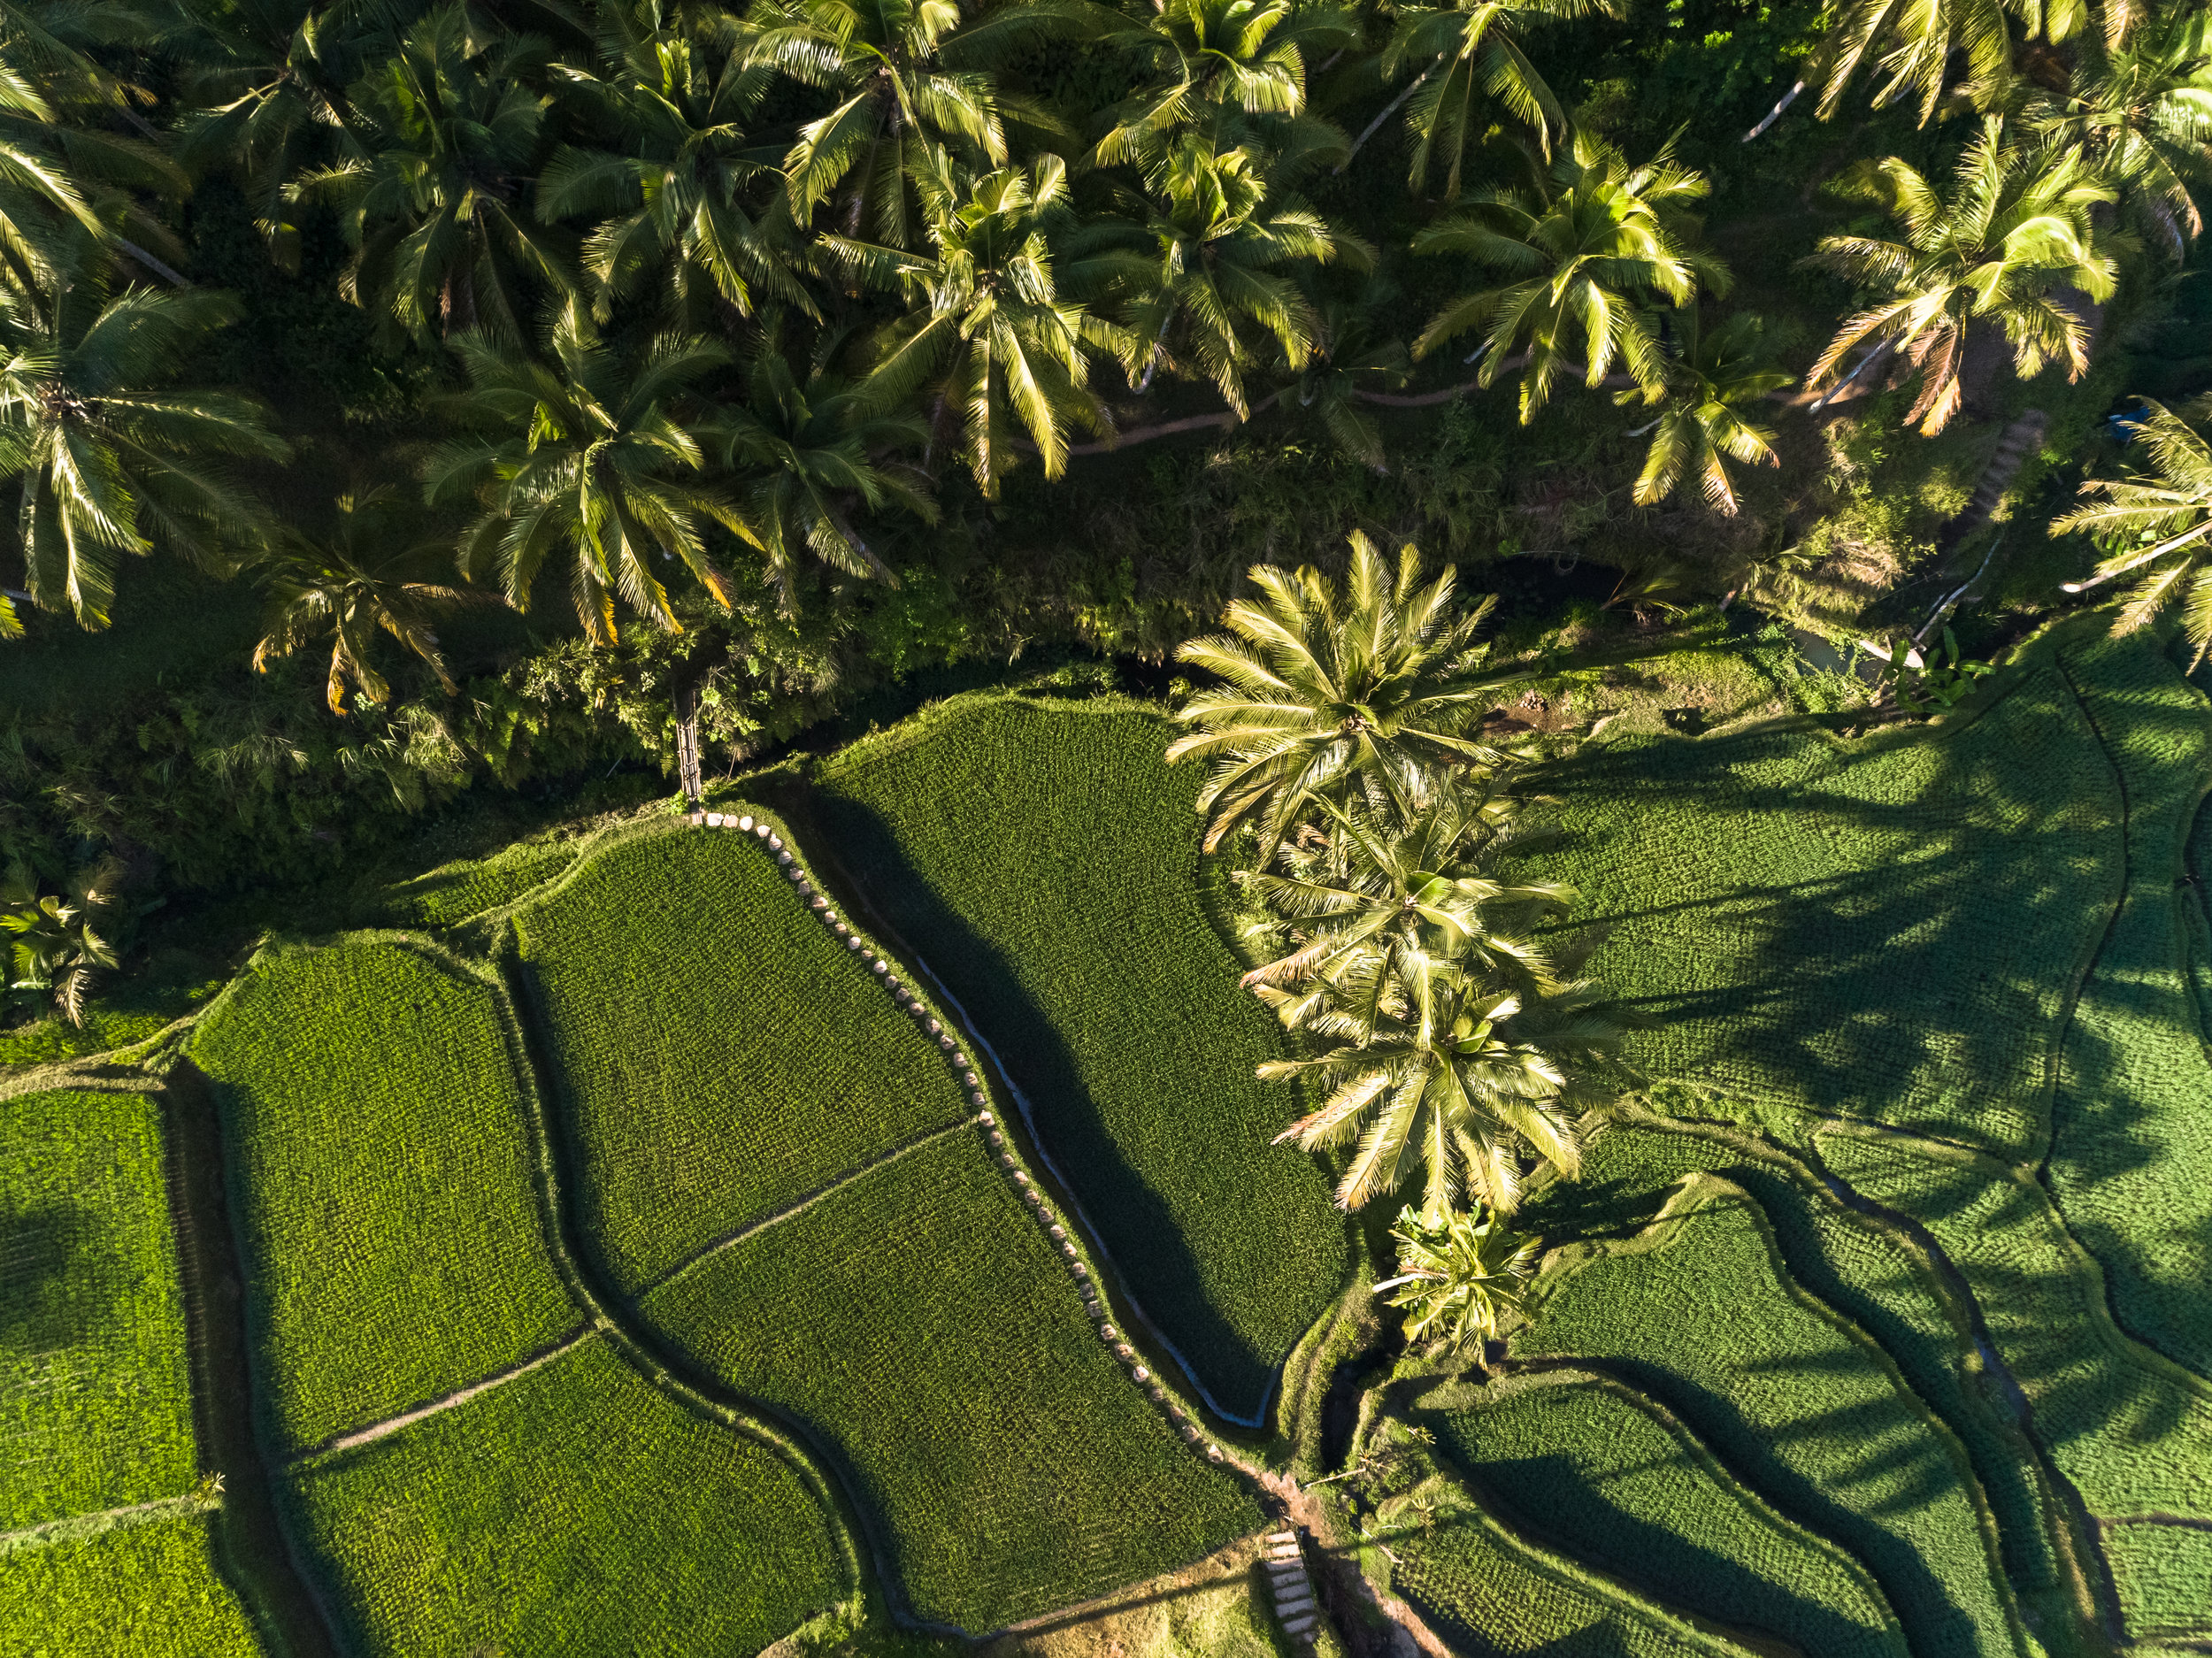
[{"x": 50, "y": 1259}]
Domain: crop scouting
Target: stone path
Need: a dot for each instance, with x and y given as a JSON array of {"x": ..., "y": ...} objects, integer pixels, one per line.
[{"x": 1295, "y": 1608}]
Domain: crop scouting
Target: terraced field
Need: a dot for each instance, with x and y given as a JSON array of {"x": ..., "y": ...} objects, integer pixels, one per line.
[
  {"x": 851, "y": 1192},
  {"x": 1039, "y": 858}
]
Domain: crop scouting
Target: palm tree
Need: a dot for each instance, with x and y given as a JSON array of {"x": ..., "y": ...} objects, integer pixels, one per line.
[
  {"x": 909, "y": 76},
  {"x": 599, "y": 457},
  {"x": 683, "y": 189},
  {"x": 442, "y": 242},
  {"x": 2142, "y": 109},
  {"x": 2158, "y": 521},
  {"x": 54, "y": 950},
  {"x": 1462, "y": 1092},
  {"x": 2016, "y": 229},
  {"x": 814, "y": 452},
  {"x": 1204, "y": 268},
  {"x": 1354, "y": 353},
  {"x": 1914, "y": 41},
  {"x": 109, "y": 456},
  {"x": 363, "y": 580},
  {"x": 1702, "y": 424},
  {"x": 1231, "y": 73},
  {"x": 1475, "y": 60},
  {"x": 1379, "y": 681},
  {"x": 1584, "y": 257},
  {"x": 1458, "y": 1273},
  {"x": 986, "y": 338}
]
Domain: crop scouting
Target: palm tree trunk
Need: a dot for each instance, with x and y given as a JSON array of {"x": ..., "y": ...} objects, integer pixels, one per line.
[
  {"x": 1775, "y": 113},
  {"x": 1389, "y": 109},
  {"x": 175, "y": 279}
]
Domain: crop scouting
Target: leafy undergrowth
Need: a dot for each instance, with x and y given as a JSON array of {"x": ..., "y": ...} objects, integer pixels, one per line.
[
  {"x": 151, "y": 1591},
  {"x": 718, "y": 1057},
  {"x": 379, "y": 1169},
  {"x": 574, "y": 1509},
  {"x": 1039, "y": 858}
]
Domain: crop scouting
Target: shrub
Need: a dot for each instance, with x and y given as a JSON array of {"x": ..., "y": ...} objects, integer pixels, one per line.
[
  {"x": 378, "y": 1169},
  {"x": 151, "y": 1591},
  {"x": 96, "y": 1406},
  {"x": 1040, "y": 857}
]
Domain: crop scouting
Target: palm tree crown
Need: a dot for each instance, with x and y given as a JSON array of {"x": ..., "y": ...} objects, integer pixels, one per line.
[
  {"x": 2157, "y": 521},
  {"x": 1382, "y": 680},
  {"x": 2016, "y": 229},
  {"x": 1920, "y": 37},
  {"x": 1706, "y": 389},
  {"x": 1586, "y": 257}
]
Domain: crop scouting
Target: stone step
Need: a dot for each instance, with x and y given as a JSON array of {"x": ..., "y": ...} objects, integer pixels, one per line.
[
  {"x": 1299, "y": 1627},
  {"x": 1280, "y": 1537},
  {"x": 1288, "y": 1609}
]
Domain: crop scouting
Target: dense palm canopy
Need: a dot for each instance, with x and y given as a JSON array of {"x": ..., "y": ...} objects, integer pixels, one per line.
[
  {"x": 1706, "y": 393},
  {"x": 597, "y": 459},
  {"x": 2157, "y": 523},
  {"x": 1458, "y": 1274},
  {"x": 2015, "y": 231},
  {"x": 1584, "y": 258},
  {"x": 1911, "y": 43},
  {"x": 109, "y": 456},
  {"x": 1381, "y": 679},
  {"x": 1230, "y": 74},
  {"x": 363, "y": 580}
]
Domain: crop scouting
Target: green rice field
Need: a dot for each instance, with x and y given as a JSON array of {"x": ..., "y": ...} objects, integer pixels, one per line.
[{"x": 151, "y": 1591}]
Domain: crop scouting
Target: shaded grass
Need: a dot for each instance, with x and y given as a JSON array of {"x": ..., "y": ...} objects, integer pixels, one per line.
[
  {"x": 1802, "y": 1405},
  {"x": 576, "y": 1510},
  {"x": 149, "y": 1591},
  {"x": 717, "y": 1055},
  {"x": 1042, "y": 860},
  {"x": 378, "y": 1176},
  {"x": 918, "y": 1320},
  {"x": 1618, "y": 1483},
  {"x": 95, "y": 1408}
]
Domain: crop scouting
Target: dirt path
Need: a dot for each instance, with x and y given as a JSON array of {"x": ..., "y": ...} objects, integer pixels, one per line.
[
  {"x": 390, "y": 1425},
  {"x": 71, "y": 1526}
]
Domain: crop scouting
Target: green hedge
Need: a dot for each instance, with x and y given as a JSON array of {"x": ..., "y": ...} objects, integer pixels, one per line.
[
  {"x": 2131, "y": 1156},
  {"x": 378, "y": 1172},
  {"x": 717, "y": 1055},
  {"x": 96, "y": 1402},
  {"x": 149, "y": 1591},
  {"x": 1618, "y": 1483},
  {"x": 1698, "y": 1313},
  {"x": 1041, "y": 860},
  {"x": 576, "y": 1509},
  {"x": 917, "y": 1321}
]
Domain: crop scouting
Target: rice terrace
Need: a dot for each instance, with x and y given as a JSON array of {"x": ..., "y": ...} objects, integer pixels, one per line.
[{"x": 1105, "y": 829}]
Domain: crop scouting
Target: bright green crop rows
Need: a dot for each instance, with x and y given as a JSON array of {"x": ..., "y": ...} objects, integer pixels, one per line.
[
  {"x": 380, "y": 1173},
  {"x": 1492, "y": 1593},
  {"x": 1888, "y": 932},
  {"x": 573, "y": 1510},
  {"x": 145, "y": 1590},
  {"x": 96, "y": 1407},
  {"x": 1697, "y": 1313},
  {"x": 1041, "y": 858},
  {"x": 721, "y": 1055},
  {"x": 917, "y": 1320},
  {"x": 1609, "y": 1478},
  {"x": 451, "y": 894},
  {"x": 2130, "y": 1163}
]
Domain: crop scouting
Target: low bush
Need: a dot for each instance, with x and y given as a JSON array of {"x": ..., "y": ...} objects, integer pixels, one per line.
[
  {"x": 573, "y": 1509},
  {"x": 1618, "y": 1483},
  {"x": 1801, "y": 1406},
  {"x": 95, "y": 1408},
  {"x": 718, "y": 1054},
  {"x": 917, "y": 1323},
  {"x": 151, "y": 1591},
  {"x": 379, "y": 1172},
  {"x": 1041, "y": 860}
]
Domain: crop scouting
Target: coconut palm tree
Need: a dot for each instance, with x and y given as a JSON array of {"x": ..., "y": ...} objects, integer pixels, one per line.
[
  {"x": 437, "y": 213},
  {"x": 1231, "y": 74},
  {"x": 53, "y": 950},
  {"x": 688, "y": 200},
  {"x": 1913, "y": 41},
  {"x": 1458, "y": 1274},
  {"x": 1585, "y": 258},
  {"x": 1474, "y": 62},
  {"x": 595, "y": 455},
  {"x": 2016, "y": 229},
  {"x": 1705, "y": 394},
  {"x": 2156, "y": 521},
  {"x": 1381, "y": 679},
  {"x": 1206, "y": 266},
  {"x": 364, "y": 579},
  {"x": 109, "y": 456},
  {"x": 987, "y": 339},
  {"x": 813, "y": 455}
]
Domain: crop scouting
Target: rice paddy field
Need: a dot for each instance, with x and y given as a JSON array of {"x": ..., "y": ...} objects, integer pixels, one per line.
[{"x": 860, "y": 1229}]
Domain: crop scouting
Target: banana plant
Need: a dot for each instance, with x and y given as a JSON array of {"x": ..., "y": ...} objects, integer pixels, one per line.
[
  {"x": 54, "y": 951},
  {"x": 1458, "y": 1273}
]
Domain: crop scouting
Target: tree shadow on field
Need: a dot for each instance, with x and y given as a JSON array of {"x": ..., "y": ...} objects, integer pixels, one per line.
[
  {"x": 1126, "y": 1216},
  {"x": 53, "y": 1291}
]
